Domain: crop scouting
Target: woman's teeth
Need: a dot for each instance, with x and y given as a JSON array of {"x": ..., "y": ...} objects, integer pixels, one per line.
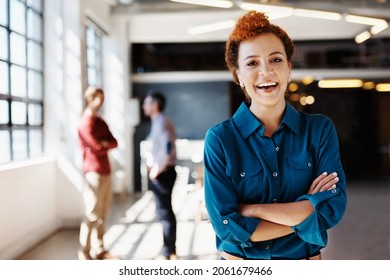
[{"x": 266, "y": 85}]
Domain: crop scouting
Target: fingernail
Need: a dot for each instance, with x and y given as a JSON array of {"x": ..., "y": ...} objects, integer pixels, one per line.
[
  {"x": 335, "y": 173},
  {"x": 325, "y": 173}
]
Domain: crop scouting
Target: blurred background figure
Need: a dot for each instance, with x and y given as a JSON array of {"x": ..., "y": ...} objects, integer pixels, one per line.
[
  {"x": 95, "y": 141},
  {"x": 161, "y": 168}
]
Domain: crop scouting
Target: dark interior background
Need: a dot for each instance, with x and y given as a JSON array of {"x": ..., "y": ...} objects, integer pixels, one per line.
[{"x": 360, "y": 116}]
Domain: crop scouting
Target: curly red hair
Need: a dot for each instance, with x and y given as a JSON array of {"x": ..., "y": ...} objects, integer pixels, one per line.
[{"x": 250, "y": 25}]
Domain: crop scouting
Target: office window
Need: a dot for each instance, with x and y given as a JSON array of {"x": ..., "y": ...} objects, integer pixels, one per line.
[
  {"x": 94, "y": 56},
  {"x": 21, "y": 79}
]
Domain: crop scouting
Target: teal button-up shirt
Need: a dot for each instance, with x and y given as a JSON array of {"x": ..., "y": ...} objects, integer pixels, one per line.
[{"x": 244, "y": 166}]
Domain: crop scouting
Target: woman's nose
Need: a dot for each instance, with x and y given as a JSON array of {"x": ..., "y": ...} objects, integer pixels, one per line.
[{"x": 265, "y": 70}]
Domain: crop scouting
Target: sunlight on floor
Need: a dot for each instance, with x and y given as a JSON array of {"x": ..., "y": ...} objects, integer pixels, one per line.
[{"x": 138, "y": 234}]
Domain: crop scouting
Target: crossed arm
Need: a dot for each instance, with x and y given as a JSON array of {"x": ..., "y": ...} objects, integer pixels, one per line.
[{"x": 277, "y": 218}]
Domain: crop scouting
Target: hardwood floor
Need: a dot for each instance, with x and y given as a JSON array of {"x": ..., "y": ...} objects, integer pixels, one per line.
[{"x": 134, "y": 234}]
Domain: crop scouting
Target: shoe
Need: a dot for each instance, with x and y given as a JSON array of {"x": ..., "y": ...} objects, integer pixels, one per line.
[
  {"x": 173, "y": 257},
  {"x": 106, "y": 256},
  {"x": 84, "y": 255},
  {"x": 161, "y": 258}
]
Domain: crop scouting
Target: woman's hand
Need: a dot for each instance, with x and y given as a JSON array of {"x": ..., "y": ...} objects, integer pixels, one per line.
[
  {"x": 247, "y": 210},
  {"x": 324, "y": 182}
]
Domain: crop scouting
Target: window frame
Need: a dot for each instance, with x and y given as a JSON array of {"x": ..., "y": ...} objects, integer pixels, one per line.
[
  {"x": 97, "y": 49},
  {"x": 21, "y": 134}
]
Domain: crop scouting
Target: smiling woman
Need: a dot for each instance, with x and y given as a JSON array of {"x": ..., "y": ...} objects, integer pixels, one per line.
[{"x": 274, "y": 182}]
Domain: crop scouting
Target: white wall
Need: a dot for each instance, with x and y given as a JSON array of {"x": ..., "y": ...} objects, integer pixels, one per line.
[
  {"x": 28, "y": 205},
  {"x": 37, "y": 197}
]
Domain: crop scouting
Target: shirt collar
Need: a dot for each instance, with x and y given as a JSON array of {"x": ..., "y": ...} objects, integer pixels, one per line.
[
  {"x": 247, "y": 123},
  {"x": 292, "y": 119}
]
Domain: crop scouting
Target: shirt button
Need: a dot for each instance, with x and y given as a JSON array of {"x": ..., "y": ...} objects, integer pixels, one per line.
[
  {"x": 277, "y": 149},
  {"x": 275, "y": 174},
  {"x": 334, "y": 191},
  {"x": 266, "y": 247},
  {"x": 225, "y": 222},
  {"x": 242, "y": 174},
  {"x": 275, "y": 200},
  {"x": 309, "y": 164}
]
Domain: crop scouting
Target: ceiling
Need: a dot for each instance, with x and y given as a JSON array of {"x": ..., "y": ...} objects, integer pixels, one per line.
[
  {"x": 326, "y": 4},
  {"x": 164, "y": 21},
  {"x": 379, "y": 8},
  {"x": 167, "y": 21}
]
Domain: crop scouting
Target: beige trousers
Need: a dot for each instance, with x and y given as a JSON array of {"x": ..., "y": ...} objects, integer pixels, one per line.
[{"x": 97, "y": 199}]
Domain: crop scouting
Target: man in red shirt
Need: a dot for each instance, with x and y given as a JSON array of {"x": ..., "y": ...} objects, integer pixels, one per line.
[{"x": 95, "y": 140}]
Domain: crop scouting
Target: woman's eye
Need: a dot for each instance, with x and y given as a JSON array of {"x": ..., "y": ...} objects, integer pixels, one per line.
[
  {"x": 276, "y": 60},
  {"x": 252, "y": 63}
]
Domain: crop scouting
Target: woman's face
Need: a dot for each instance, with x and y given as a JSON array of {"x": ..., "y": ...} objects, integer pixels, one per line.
[
  {"x": 263, "y": 69},
  {"x": 96, "y": 100}
]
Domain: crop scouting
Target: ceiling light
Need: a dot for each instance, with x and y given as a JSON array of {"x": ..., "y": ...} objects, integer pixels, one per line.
[
  {"x": 365, "y": 20},
  {"x": 273, "y": 12},
  {"x": 360, "y": 38},
  {"x": 340, "y": 83},
  {"x": 368, "y": 85},
  {"x": 307, "y": 80},
  {"x": 379, "y": 28},
  {"x": 317, "y": 14},
  {"x": 211, "y": 3},
  {"x": 307, "y": 100},
  {"x": 385, "y": 87},
  {"x": 310, "y": 100},
  {"x": 292, "y": 87},
  {"x": 211, "y": 27}
]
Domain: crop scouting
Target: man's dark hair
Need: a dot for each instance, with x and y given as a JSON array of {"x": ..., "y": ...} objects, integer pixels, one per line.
[{"x": 158, "y": 97}]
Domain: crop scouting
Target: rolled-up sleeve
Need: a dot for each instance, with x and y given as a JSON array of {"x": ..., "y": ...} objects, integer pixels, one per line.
[
  {"x": 221, "y": 198},
  {"x": 329, "y": 206}
]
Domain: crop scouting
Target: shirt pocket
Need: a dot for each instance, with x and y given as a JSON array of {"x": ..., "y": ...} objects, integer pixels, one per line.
[
  {"x": 246, "y": 176},
  {"x": 301, "y": 168}
]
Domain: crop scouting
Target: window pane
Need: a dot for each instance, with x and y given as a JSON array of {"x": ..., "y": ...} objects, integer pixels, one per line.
[
  {"x": 34, "y": 55},
  {"x": 5, "y": 147},
  {"x": 4, "y": 43},
  {"x": 4, "y": 112},
  {"x": 90, "y": 37},
  {"x": 4, "y": 85},
  {"x": 35, "y": 114},
  {"x": 18, "y": 112},
  {"x": 18, "y": 81},
  {"x": 91, "y": 57},
  {"x": 34, "y": 26},
  {"x": 3, "y": 12},
  {"x": 36, "y": 4},
  {"x": 98, "y": 43},
  {"x": 92, "y": 76},
  {"x": 35, "y": 85},
  {"x": 19, "y": 144},
  {"x": 36, "y": 143},
  {"x": 17, "y": 17},
  {"x": 18, "y": 49}
]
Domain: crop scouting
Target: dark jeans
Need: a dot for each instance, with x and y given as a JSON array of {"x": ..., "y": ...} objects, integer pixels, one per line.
[{"x": 162, "y": 189}]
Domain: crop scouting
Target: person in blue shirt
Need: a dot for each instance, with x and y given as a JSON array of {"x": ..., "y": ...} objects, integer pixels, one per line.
[{"x": 274, "y": 181}]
